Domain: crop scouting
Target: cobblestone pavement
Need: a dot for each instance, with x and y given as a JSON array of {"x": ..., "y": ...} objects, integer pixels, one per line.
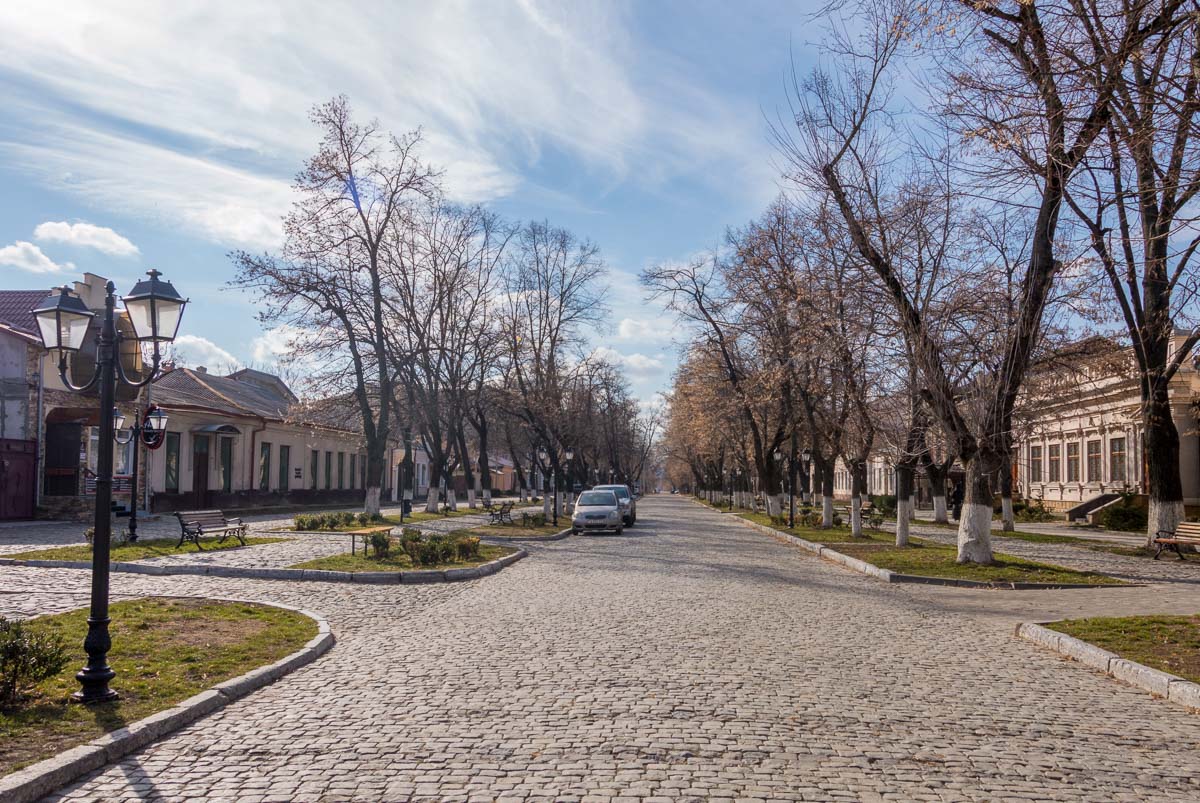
[{"x": 691, "y": 658}]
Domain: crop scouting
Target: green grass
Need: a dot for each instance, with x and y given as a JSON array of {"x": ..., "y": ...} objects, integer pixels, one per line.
[
  {"x": 142, "y": 549},
  {"x": 1044, "y": 538},
  {"x": 833, "y": 535},
  {"x": 936, "y": 560},
  {"x": 409, "y": 518},
  {"x": 1168, "y": 643},
  {"x": 396, "y": 561},
  {"x": 164, "y": 651}
]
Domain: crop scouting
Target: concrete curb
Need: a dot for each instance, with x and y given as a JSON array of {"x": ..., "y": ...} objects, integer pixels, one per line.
[
  {"x": 888, "y": 576},
  {"x": 319, "y": 575},
  {"x": 44, "y": 777},
  {"x": 1158, "y": 683},
  {"x": 537, "y": 539}
]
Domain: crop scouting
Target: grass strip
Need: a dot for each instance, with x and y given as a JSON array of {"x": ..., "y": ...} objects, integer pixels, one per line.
[
  {"x": 396, "y": 560},
  {"x": 1167, "y": 643},
  {"x": 164, "y": 651},
  {"x": 157, "y": 548}
]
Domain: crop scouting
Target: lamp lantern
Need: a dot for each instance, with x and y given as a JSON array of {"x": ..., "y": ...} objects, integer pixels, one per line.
[
  {"x": 155, "y": 309},
  {"x": 63, "y": 320}
]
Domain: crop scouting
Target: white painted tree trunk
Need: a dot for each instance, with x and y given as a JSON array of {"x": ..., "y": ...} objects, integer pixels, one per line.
[
  {"x": 1008, "y": 522},
  {"x": 451, "y": 501},
  {"x": 856, "y": 530},
  {"x": 903, "y": 512},
  {"x": 826, "y": 511},
  {"x": 546, "y": 511},
  {"x": 524, "y": 494},
  {"x": 912, "y": 508},
  {"x": 487, "y": 496},
  {"x": 1162, "y": 516},
  {"x": 431, "y": 499},
  {"x": 975, "y": 533},
  {"x": 774, "y": 505},
  {"x": 371, "y": 502},
  {"x": 939, "y": 509},
  {"x": 471, "y": 498}
]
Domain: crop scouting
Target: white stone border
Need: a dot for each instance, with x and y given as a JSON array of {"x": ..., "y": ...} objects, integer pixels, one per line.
[
  {"x": 40, "y": 779},
  {"x": 323, "y": 575},
  {"x": 1158, "y": 683}
]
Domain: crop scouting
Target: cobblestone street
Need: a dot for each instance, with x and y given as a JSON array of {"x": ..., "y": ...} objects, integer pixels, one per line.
[{"x": 691, "y": 658}]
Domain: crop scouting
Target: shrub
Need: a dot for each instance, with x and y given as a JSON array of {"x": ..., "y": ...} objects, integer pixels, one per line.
[
  {"x": 368, "y": 518},
  {"x": 410, "y": 534},
  {"x": 1125, "y": 515},
  {"x": 779, "y": 521},
  {"x": 885, "y": 503},
  {"x": 343, "y": 518},
  {"x": 811, "y": 519},
  {"x": 27, "y": 658},
  {"x": 1032, "y": 513},
  {"x": 537, "y": 519},
  {"x": 381, "y": 543},
  {"x": 304, "y": 522},
  {"x": 467, "y": 548}
]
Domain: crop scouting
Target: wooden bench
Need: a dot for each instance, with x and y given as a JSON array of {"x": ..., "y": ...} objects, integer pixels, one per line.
[
  {"x": 197, "y": 523},
  {"x": 502, "y": 514},
  {"x": 366, "y": 533},
  {"x": 1186, "y": 532}
]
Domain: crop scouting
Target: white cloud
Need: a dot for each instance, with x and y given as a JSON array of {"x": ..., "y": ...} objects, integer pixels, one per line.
[
  {"x": 636, "y": 365},
  {"x": 28, "y": 257},
  {"x": 267, "y": 348},
  {"x": 644, "y": 329},
  {"x": 193, "y": 351},
  {"x": 86, "y": 235},
  {"x": 205, "y": 132}
]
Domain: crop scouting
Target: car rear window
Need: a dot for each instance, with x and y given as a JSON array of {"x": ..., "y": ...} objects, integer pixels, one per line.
[
  {"x": 621, "y": 491},
  {"x": 597, "y": 498}
]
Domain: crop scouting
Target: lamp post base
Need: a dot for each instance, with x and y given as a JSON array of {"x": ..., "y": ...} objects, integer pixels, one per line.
[
  {"x": 94, "y": 678},
  {"x": 94, "y": 687}
]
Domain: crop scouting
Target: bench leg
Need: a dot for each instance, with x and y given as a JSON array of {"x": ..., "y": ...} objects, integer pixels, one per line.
[{"x": 1179, "y": 551}]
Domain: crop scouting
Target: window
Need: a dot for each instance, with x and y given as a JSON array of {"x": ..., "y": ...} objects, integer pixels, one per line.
[
  {"x": 353, "y": 469},
  {"x": 341, "y": 470},
  {"x": 264, "y": 467},
  {"x": 285, "y": 468},
  {"x": 312, "y": 481},
  {"x": 1094, "y": 462},
  {"x": 1054, "y": 451},
  {"x": 1116, "y": 461},
  {"x": 1035, "y": 463},
  {"x": 226, "y": 464},
  {"x": 171, "y": 478},
  {"x": 1073, "y": 461},
  {"x": 328, "y": 470}
]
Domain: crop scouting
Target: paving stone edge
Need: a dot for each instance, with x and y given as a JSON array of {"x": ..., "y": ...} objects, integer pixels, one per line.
[
  {"x": 888, "y": 576},
  {"x": 40, "y": 779},
  {"x": 322, "y": 575},
  {"x": 1159, "y": 684}
]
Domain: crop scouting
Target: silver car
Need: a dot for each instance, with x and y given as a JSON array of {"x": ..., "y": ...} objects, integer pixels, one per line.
[
  {"x": 597, "y": 510},
  {"x": 626, "y": 499}
]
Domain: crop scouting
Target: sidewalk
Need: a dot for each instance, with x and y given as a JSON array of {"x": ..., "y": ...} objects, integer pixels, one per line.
[{"x": 1056, "y": 528}]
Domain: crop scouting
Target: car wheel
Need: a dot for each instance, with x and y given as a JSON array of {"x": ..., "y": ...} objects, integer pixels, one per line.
[{"x": 620, "y": 530}]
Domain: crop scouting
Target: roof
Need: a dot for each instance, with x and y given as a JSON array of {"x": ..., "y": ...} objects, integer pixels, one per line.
[
  {"x": 186, "y": 387},
  {"x": 15, "y": 306}
]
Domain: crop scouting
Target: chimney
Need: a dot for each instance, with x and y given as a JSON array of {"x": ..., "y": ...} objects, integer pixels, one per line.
[
  {"x": 168, "y": 366},
  {"x": 200, "y": 369}
]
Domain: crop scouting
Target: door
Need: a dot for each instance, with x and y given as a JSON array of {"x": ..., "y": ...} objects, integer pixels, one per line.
[
  {"x": 62, "y": 459},
  {"x": 200, "y": 471},
  {"x": 17, "y": 462}
]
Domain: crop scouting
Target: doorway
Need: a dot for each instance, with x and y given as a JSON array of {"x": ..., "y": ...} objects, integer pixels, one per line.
[{"x": 200, "y": 444}]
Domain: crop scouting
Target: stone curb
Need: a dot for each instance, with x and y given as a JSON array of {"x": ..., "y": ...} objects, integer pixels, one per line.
[
  {"x": 1158, "y": 683},
  {"x": 320, "y": 575},
  {"x": 888, "y": 576},
  {"x": 44, "y": 777},
  {"x": 538, "y": 539}
]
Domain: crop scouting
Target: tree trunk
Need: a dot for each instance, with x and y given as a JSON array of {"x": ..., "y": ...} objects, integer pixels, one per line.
[
  {"x": 1008, "y": 523},
  {"x": 904, "y": 505},
  {"x": 975, "y": 526},
  {"x": 1162, "y": 467},
  {"x": 858, "y": 488},
  {"x": 375, "y": 469},
  {"x": 775, "y": 505},
  {"x": 431, "y": 497},
  {"x": 937, "y": 488},
  {"x": 912, "y": 507},
  {"x": 826, "y": 495}
]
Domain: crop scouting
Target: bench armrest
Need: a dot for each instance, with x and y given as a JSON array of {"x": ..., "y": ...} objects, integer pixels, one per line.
[{"x": 1165, "y": 534}]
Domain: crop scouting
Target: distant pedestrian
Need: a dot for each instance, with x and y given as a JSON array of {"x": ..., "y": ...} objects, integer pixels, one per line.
[{"x": 956, "y": 499}]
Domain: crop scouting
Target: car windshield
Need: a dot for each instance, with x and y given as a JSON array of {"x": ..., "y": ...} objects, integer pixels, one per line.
[
  {"x": 620, "y": 490},
  {"x": 597, "y": 499}
]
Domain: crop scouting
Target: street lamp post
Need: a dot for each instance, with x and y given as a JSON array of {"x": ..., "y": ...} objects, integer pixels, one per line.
[
  {"x": 569, "y": 457},
  {"x": 544, "y": 456},
  {"x": 148, "y": 429},
  {"x": 154, "y": 309},
  {"x": 806, "y": 467}
]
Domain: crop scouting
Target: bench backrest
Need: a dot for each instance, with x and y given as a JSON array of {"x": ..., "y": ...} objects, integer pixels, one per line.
[
  {"x": 203, "y": 518},
  {"x": 1188, "y": 529},
  {"x": 507, "y": 506}
]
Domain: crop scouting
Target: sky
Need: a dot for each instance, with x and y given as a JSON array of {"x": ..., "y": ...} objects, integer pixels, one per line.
[{"x": 142, "y": 135}]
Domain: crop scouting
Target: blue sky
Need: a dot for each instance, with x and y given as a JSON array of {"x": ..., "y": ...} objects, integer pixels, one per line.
[{"x": 142, "y": 135}]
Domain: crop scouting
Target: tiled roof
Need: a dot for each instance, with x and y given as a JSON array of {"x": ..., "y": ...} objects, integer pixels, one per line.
[
  {"x": 15, "y": 306},
  {"x": 235, "y": 396}
]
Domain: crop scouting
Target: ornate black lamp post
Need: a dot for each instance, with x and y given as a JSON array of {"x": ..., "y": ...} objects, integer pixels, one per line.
[
  {"x": 806, "y": 467},
  {"x": 154, "y": 309},
  {"x": 149, "y": 429},
  {"x": 552, "y": 475}
]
